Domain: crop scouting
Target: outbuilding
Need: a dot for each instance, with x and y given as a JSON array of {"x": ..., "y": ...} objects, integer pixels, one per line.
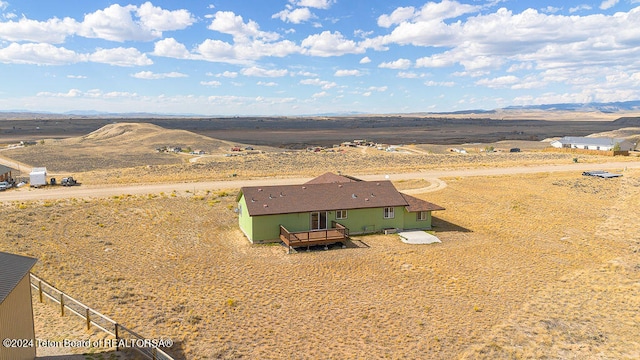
[
  {"x": 5, "y": 173},
  {"x": 589, "y": 143},
  {"x": 16, "y": 311},
  {"x": 38, "y": 177}
]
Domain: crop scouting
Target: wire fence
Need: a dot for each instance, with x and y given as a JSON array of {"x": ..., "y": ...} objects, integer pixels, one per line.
[{"x": 123, "y": 337}]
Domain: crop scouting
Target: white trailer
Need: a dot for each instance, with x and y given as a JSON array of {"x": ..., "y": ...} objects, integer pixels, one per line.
[{"x": 38, "y": 177}]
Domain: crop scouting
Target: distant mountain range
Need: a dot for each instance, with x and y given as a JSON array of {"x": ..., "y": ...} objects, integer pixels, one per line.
[{"x": 611, "y": 107}]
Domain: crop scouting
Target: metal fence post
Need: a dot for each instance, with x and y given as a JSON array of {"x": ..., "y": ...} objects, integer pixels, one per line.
[
  {"x": 88, "y": 320},
  {"x": 62, "y": 304},
  {"x": 40, "y": 289}
]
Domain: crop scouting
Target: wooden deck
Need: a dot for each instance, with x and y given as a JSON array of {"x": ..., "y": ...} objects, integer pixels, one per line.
[{"x": 338, "y": 233}]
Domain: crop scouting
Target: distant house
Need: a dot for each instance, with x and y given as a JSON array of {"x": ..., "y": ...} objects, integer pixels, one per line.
[
  {"x": 589, "y": 143},
  {"x": 327, "y": 209},
  {"x": 16, "y": 312}
]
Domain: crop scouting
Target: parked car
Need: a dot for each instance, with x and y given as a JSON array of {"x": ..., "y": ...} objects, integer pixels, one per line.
[{"x": 4, "y": 185}]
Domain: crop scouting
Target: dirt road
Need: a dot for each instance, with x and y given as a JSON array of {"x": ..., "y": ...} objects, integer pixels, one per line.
[{"x": 433, "y": 176}]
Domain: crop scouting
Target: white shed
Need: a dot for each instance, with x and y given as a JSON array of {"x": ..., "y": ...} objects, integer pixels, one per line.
[{"x": 38, "y": 177}]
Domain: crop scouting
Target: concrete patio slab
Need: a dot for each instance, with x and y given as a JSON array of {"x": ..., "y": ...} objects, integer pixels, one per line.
[{"x": 418, "y": 237}]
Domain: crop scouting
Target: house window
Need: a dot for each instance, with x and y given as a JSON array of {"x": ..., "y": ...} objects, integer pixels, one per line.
[
  {"x": 388, "y": 213},
  {"x": 341, "y": 214},
  {"x": 422, "y": 215}
]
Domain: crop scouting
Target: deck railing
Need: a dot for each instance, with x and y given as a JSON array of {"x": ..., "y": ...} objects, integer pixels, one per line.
[
  {"x": 102, "y": 322},
  {"x": 336, "y": 233}
]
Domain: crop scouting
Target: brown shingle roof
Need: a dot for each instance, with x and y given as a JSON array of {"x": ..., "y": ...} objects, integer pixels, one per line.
[
  {"x": 330, "y": 177},
  {"x": 416, "y": 204},
  {"x": 286, "y": 199}
]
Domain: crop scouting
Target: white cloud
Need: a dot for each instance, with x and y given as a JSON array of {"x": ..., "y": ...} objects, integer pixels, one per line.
[
  {"x": 52, "y": 31},
  {"x": 353, "y": 72},
  {"x": 305, "y": 73},
  {"x": 211, "y": 83},
  {"x": 330, "y": 44},
  {"x": 169, "y": 47},
  {"x": 70, "y": 93},
  {"x": 320, "y": 95},
  {"x": 439, "y": 83},
  {"x": 326, "y": 85},
  {"x": 499, "y": 82},
  {"x": 398, "y": 16},
  {"x": 39, "y": 54},
  {"x": 377, "y": 88},
  {"x": 259, "y": 72},
  {"x": 116, "y": 22},
  {"x": 250, "y": 43},
  {"x": 409, "y": 75},
  {"x": 295, "y": 16},
  {"x": 481, "y": 43},
  {"x": 579, "y": 8},
  {"x": 361, "y": 33},
  {"x": 268, "y": 84},
  {"x": 76, "y": 77},
  {"x": 608, "y": 4},
  {"x": 244, "y": 52},
  {"x": 228, "y": 74},
  {"x": 397, "y": 64},
  {"x": 520, "y": 66},
  {"x": 119, "y": 94},
  {"x": 157, "y": 18},
  {"x": 227, "y": 22},
  {"x": 550, "y": 9},
  {"x": 120, "y": 57},
  {"x": 435, "y": 61},
  {"x": 148, "y": 75},
  {"x": 95, "y": 93},
  {"x": 365, "y": 60},
  {"x": 318, "y": 4}
]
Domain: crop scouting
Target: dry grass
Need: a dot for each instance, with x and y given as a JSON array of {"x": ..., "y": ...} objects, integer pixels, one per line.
[
  {"x": 522, "y": 273},
  {"x": 116, "y": 146},
  {"x": 125, "y": 153},
  {"x": 296, "y": 164}
]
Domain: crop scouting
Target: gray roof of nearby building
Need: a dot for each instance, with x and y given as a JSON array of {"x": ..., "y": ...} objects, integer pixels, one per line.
[
  {"x": 591, "y": 141},
  {"x": 13, "y": 268},
  {"x": 5, "y": 169}
]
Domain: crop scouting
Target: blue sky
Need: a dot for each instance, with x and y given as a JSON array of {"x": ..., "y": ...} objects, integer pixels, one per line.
[{"x": 296, "y": 57}]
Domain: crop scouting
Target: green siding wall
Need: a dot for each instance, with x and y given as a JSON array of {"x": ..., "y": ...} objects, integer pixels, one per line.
[
  {"x": 411, "y": 221},
  {"x": 244, "y": 220},
  {"x": 266, "y": 228}
]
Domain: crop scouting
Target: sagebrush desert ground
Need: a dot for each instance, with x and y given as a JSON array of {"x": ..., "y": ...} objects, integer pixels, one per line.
[
  {"x": 530, "y": 266},
  {"x": 126, "y": 153}
]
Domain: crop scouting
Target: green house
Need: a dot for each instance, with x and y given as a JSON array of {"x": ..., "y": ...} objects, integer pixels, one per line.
[{"x": 327, "y": 209}]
